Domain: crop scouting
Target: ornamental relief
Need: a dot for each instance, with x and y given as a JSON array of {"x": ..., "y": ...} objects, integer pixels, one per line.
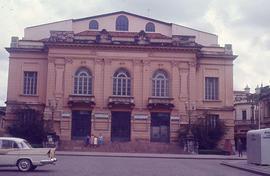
[
  {"x": 146, "y": 63},
  {"x": 175, "y": 63},
  {"x": 108, "y": 61},
  {"x": 192, "y": 64},
  {"x": 83, "y": 62},
  {"x": 68, "y": 60},
  {"x": 138, "y": 62},
  {"x": 99, "y": 61}
]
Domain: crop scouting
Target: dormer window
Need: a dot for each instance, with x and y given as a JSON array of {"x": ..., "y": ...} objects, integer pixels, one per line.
[
  {"x": 121, "y": 23},
  {"x": 150, "y": 27},
  {"x": 93, "y": 24}
]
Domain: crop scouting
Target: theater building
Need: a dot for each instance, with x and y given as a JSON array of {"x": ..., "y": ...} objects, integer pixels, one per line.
[{"x": 120, "y": 75}]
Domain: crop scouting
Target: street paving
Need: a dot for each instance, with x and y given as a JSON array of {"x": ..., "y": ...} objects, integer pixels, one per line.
[{"x": 119, "y": 166}]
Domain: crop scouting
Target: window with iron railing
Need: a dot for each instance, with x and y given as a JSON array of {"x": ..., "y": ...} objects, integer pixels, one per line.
[
  {"x": 83, "y": 82},
  {"x": 244, "y": 115},
  {"x": 160, "y": 84},
  {"x": 212, "y": 120},
  {"x": 121, "y": 23},
  {"x": 30, "y": 83},
  {"x": 121, "y": 83},
  {"x": 150, "y": 27},
  {"x": 211, "y": 88},
  {"x": 93, "y": 24}
]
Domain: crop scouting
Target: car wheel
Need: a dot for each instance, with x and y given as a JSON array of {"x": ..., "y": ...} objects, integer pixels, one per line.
[
  {"x": 33, "y": 168},
  {"x": 24, "y": 165}
]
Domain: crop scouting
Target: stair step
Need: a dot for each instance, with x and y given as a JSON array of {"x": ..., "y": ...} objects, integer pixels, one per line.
[{"x": 138, "y": 147}]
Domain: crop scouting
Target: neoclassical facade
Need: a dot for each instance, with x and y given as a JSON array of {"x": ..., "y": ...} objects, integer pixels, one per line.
[{"x": 123, "y": 76}]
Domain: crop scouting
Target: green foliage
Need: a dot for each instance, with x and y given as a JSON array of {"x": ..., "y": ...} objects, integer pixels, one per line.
[
  {"x": 28, "y": 126},
  {"x": 206, "y": 135}
]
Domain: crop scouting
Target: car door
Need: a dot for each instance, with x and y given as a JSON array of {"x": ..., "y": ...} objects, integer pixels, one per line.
[{"x": 9, "y": 152}]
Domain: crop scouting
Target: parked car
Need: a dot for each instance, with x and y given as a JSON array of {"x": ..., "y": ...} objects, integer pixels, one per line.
[{"x": 18, "y": 152}]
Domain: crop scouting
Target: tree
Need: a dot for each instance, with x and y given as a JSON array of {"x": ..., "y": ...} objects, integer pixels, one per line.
[
  {"x": 208, "y": 135},
  {"x": 29, "y": 125}
]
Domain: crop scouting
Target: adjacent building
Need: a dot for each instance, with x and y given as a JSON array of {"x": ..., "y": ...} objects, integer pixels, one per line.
[
  {"x": 2, "y": 119},
  {"x": 264, "y": 106},
  {"x": 120, "y": 75},
  {"x": 251, "y": 111},
  {"x": 243, "y": 116}
]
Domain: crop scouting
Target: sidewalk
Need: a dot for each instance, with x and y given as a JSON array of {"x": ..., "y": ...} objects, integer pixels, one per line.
[
  {"x": 150, "y": 155},
  {"x": 243, "y": 165}
]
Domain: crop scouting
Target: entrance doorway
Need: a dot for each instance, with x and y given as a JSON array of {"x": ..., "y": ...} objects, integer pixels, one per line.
[
  {"x": 160, "y": 127},
  {"x": 120, "y": 126},
  {"x": 81, "y": 125}
]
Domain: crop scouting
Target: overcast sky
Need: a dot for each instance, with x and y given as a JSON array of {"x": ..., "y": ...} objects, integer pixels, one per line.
[{"x": 242, "y": 23}]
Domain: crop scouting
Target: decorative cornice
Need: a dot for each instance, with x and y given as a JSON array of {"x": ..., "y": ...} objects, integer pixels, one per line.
[
  {"x": 120, "y": 46},
  {"x": 61, "y": 36}
]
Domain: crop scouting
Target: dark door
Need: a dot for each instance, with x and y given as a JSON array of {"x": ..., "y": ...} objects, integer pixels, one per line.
[
  {"x": 160, "y": 127},
  {"x": 81, "y": 124},
  {"x": 120, "y": 127}
]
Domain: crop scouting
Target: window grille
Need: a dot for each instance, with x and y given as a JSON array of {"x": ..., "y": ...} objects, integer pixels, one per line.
[
  {"x": 93, "y": 24},
  {"x": 160, "y": 84},
  {"x": 121, "y": 83},
  {"x": 83, "y": 82},
  {"x": 150, "y": 27},
  {"x": 122, "y": 23},
  {"x": 212, "y": 120},
  {"x": 30, "y": 83},
  {"x": 211, "y": 88}
]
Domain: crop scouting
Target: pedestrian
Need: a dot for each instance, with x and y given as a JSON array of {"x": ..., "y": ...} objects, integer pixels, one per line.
[
  {"x": 240, "y": 147},
  {"x": 95, "y": 141},
  {"x": 87, "y": 142},
  {"x": 100, "y": 139}
]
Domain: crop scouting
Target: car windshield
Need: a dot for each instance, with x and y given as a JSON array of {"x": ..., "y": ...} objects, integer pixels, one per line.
[{"x": 25, "y": 144}]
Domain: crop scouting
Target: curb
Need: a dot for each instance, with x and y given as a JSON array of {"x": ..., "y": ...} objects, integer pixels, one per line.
[
  {"x": 140, "y": 155},
  {"x": 245, "y": 169}
]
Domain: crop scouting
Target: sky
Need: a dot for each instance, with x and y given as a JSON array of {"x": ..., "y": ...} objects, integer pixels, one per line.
[{"x": 244, "y": 24}]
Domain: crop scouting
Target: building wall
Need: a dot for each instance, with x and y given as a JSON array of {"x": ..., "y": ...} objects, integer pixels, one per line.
[
  {"x": 136, "y": 24},
  {"x": 43, "y": 31},
  {"x": 187, "y": 68},
  {"x": 56, "y": 74},
  {"x": 202, "y": 38},
  {"x": 19, "y": 63}
]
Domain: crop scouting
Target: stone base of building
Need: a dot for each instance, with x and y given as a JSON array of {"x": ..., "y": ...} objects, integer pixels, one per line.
[{"x": 130, "y": 147}]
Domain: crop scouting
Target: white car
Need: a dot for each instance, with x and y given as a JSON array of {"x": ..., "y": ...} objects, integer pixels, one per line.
[{"x": 18, "y": 152}]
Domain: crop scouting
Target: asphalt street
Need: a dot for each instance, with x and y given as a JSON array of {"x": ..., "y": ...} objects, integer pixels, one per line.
[{"x": 118, "y": 166}]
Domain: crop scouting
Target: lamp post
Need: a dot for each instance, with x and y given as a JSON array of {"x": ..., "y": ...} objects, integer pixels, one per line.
[
  {"x": 189, "y": 113},
  {"x": 52, "y": 108},
  {"x": 190, "y": 143}
]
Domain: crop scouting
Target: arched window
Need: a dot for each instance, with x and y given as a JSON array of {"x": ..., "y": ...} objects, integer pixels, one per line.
[
  {"x": 150, "y": 27},
  {"x": 93, "y": 24},
  {"x": 121, "y": 23},
  {"x": 83, "y": 82},
  {"x": 160, "y": 84},
  {"x": 121, "y": 83}
]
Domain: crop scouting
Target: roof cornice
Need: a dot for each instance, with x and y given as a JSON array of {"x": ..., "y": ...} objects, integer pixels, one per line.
[{"x": 122, "y": 46}]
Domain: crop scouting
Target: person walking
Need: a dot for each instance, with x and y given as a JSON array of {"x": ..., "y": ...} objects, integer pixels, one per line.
[{"x": 240, "y": 147}]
